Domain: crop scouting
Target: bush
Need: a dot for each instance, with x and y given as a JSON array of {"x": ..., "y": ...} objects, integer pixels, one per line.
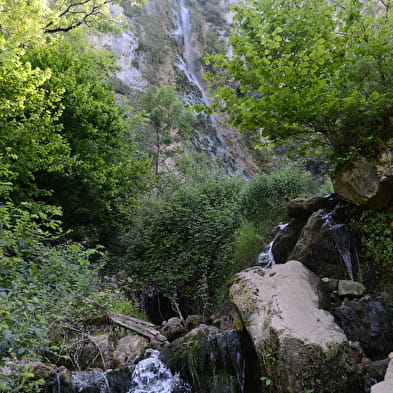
[
  {"x": 178, "y": 240},
  {"x": 246, "y": 246},
  {"x": 377, "y": 246},
  {"x": 264, "y": 200}
]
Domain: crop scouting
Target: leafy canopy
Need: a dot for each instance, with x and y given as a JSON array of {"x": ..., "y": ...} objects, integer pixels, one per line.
[{"x": 319, "y": 70}]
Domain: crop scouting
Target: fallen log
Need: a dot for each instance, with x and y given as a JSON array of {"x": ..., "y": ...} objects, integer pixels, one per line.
[{"x": 145, "y": 329}]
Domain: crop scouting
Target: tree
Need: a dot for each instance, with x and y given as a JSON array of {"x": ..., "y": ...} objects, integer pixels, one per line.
[
  {"x": 167, "y": 116},
  {"x": 321, "y": 71},
  {"x": 25, "y": 21}
]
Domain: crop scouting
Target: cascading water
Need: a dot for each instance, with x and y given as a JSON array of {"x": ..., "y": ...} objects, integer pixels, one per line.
[
  {"x": 266, "y": 257},
  {"x": 150, "y": 375},
  {"x": 213, "y": 143},
  {"x": 153, "y": 376},
  {"x": 342, "y": 240}
]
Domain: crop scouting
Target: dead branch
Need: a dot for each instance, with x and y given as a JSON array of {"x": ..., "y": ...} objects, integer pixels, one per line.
[{"x": 143, "y": 328}]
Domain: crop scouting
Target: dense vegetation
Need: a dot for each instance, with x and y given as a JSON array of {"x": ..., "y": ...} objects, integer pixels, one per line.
[
  {"x": 319, "y": 72},
  {"x": 84, "y": 185}
]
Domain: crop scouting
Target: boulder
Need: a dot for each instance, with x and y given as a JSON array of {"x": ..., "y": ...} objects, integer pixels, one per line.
[
  {"x": 128, "y": 348},
  {"x": 98, "y": 352},
  {"x": 377, "y": 369},
  {"x": 298, "y": 344},
  {"x": 370, "y": 323},
  {"x": 213, "y": 361},
  {"x": 303, "y": 207},
  {"x": 285, "y": 240},
  {"x": 173, "y": 328},
  {"x": 350, "y": 288},
  {"x": 193, "y": 321},
  {"x": 387, "y": 385},
  {"x": 367, "y": 181},
  {"x": 327, "y": 247}
]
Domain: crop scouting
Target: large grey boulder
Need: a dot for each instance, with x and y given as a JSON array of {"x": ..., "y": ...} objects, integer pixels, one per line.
[
  {"x": 367, "y": 181},
  {"x": 298, "y": 344}
]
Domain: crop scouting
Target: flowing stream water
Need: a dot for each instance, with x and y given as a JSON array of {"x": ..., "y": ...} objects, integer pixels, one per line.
[
  {"x": 266, "y": 257},
  {"x": 150, "y": 375}
]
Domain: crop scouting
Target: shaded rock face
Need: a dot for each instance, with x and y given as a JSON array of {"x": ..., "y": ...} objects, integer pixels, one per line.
[
  {"x": 213, "y": 361},
  {"x": 299, "y": 346},
  {"x": 285, "y": 240},
  {"x": 327, "y": 247},
  {"x": 318, "y": 237},
  {"x": 370, "y": 323},
  {"x": 302, "y": 208},
  {"x": 387, "y": 385},
  {"x": 367, "y": 181}
]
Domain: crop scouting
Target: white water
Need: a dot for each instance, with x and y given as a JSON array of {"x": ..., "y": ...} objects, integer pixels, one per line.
[
  {"x": 342, "y": 241},
  {"x": 266, "y": 257},
  {"x": 151, "y": 375}
]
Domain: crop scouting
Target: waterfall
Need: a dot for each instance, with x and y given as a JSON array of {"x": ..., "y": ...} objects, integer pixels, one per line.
[
  {"x": 153, "y": 376},
  {"x": 150, "y": 375},
  {"x": 342, "y": 240},
  {"x": 213, "y": 143},
  {"x": 266, "y": 257}
]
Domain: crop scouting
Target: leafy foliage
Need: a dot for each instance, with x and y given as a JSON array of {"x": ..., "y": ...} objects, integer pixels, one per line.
[
  {"x": 264, "y": 199},
  {"x": 177, "y": 241},
  {"x": 377, "y": 245},
  {"x": 104, "y": 169},
  {"x": 329, "y": 78},
  {"x": 169, "y": 121}
]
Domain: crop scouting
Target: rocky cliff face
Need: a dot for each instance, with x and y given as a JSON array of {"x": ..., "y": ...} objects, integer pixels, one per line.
[{"x": 164, "y": 44}]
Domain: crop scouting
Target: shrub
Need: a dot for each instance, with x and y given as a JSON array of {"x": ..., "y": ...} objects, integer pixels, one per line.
[
  {"x": 264, "y": 200},
  {"x": 377, "y": 246},
  {"x": 178, "y": 240}
]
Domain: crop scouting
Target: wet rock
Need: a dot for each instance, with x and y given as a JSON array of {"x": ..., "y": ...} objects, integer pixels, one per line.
[
  {"x": 296, "y": 341},
  {"x": 327, "y": 247},
  {"x": 172, "y": 329},
  {"x": 213, "y": 361},
  {"x": 350, "y": 288},
  {"x": 128, "y": 348},
  {"x": 368, "y": 181},
  {"x": 303, "y": 207},
  {"x": 285, "y": 240},
  {"x": 370, "y": 323}
]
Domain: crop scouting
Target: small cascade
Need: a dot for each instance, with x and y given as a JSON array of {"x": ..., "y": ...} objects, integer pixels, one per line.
[
  {"x": 342, "y": 241},
  {"x": 151, "y": 375},
  {"x": 266, "y": 257},
  {"x": 225, "y": 351}
]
